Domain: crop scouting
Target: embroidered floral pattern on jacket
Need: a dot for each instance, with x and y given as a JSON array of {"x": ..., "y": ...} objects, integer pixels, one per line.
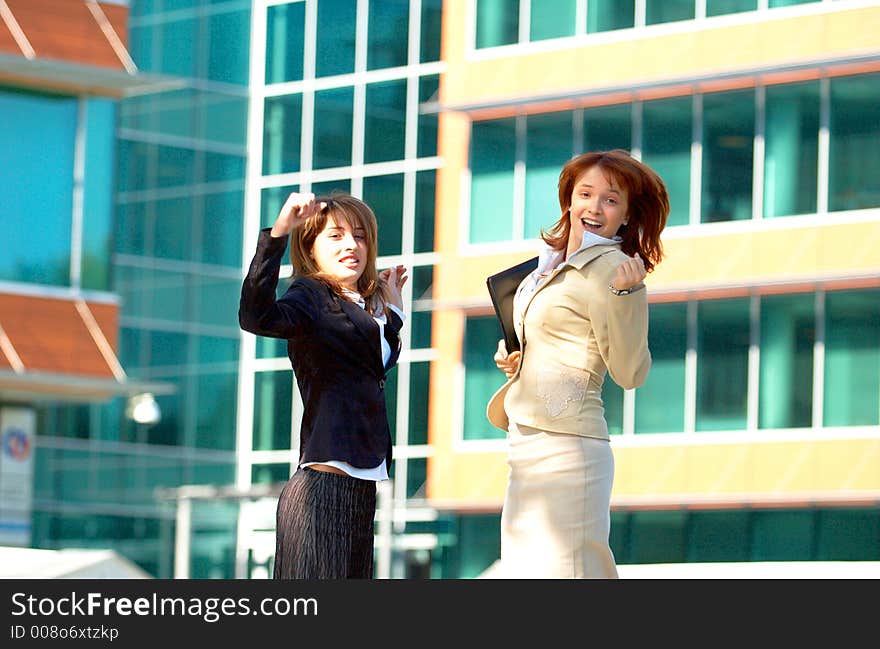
[{"x": 558, "y": 387}]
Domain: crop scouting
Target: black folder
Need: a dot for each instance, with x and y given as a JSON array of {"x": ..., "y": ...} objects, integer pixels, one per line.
[{"x": 502, "y": 288}]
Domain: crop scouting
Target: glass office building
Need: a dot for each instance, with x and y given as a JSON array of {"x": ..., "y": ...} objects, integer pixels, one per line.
[{"x": 757, "y": 434}]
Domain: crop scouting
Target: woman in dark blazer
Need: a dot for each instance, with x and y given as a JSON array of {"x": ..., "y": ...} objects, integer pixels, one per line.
[{"x": 342, "y": 321}]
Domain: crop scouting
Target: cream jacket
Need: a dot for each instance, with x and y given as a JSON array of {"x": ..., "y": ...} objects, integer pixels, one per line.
[{"x": 574, "y": 329}]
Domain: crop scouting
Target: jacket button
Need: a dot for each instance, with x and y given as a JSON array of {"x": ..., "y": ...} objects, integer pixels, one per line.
[{"x": 382, "y": 384}]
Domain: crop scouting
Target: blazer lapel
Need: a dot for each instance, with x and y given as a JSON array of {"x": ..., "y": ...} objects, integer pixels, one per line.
[
  {"x": 366, "y": 326},
  {"x": 578, "y": 260}
]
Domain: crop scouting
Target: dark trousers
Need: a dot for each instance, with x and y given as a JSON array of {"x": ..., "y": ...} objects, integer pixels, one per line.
[{"x": 324, "y": 527}]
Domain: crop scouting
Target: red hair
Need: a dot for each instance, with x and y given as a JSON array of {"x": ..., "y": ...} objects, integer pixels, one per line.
[{"x": 647, "y": 202}]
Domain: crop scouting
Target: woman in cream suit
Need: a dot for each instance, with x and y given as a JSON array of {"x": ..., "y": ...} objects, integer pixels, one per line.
[{"x": 583, "y": 312}]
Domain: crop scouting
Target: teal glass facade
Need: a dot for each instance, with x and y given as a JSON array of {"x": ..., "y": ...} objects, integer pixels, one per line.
[
  {"x": 734, "y": 183},
  {"x": 344, "y": 107},
  {"x": 38, "y": 220}
]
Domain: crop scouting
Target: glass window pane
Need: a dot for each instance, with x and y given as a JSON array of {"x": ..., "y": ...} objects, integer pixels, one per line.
[
  {"x": 419, "y": 389},
  {"x": 215, "y": 294},
  {"x": 493, "y": 152},
  {"x": 176, "y": 113},
  {"x": 608, "y": 127},
  {"x": 228, "y": 46},
  {"x": 855, "y": 143},
  {"x": 718, "y": 536},
  {"x": 220, "y": 167},
  {"x": 388, "y": 28},
  {"x": 427, "y": 133},
  {"x": 657, "y": 537},
  {"x": 150, "y": 166},
  {"x": 660, "y": 401},
  {"x": 549, "y": 142},
  {"x": 330, "y": 186},
  {"x": 222, "y": 218},
  {"x": 852, "y": 358},
  {"x": 273, "y": 408},
  {"x": 665, "y": 11},
  {"x": 213, "y": 349},
  {"x": 722, "y": 364},
  {"x": 785, "y": 535},
  {"x": 179, "y": 40},
  {"x": 666, "y": 128},
  {"x": 612, "y": 400},
  {"x": 432, "y": 13},
  {"x": 788, "y": 3},
  {"x": 285, "y": 34},
  {"x": 217, "y": 395},
  {"x": 171, "y": 222},
  {"x": 224, "y": 118},
  {"x": 164, "y": 349},
  {"x": 385, "y": 195},
  {"x": 36, "y": 249},
  {"x": 788, "y": 333},
  {"x": 482, "y": 376},
  {"x": 720, "y": 7},
  {"x": 152, "y": 293},
  {"x": 98, "y": 193},
  {"x": 619, "y": 537},
  {"x": 423, "y": 235},
  {"x": 385, "y": 129},
  {"x": 848, "y": 535},
  {"x": 607, "y": 15},
  {"x": 422, "y": 290},
  {"x": 335, "y": 38},
  {"x": 497, "y": 22},
  {"x": 334, "y": 112},
  {"x": 791, "y": 150},
  {"x": 129, "y": 227},
  {"x": 728, "y": 143},
  {"x": 552, "y": 19},
  {"x": 270, "y": 473}
]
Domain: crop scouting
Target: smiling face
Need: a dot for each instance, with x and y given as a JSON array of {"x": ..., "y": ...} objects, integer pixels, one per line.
[
  {"x": 598, "y": 205},
  {"x": 340, "y": 250}
]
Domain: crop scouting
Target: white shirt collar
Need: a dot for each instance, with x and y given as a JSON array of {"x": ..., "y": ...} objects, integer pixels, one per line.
[{"x": 549, "y": 258}]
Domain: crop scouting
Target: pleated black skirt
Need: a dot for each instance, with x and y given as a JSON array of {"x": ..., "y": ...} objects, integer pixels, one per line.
[{"x": 324, "y": 527}]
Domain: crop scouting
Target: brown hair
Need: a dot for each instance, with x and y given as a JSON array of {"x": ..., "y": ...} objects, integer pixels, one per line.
[
  {"x": 647, "y": 199},
  {"x": 357, "y": 214}
]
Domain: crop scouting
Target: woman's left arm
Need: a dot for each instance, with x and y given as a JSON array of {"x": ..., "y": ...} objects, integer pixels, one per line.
[{"x": 620, "y": 324}]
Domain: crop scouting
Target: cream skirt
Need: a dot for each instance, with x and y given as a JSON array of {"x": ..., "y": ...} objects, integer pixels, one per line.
[{"x": 556, "y": 518}]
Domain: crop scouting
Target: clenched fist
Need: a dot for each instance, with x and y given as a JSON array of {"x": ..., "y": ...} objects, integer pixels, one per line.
[
  {"x": 629, "y": 273},
  {"x": 296, "y": 209}
]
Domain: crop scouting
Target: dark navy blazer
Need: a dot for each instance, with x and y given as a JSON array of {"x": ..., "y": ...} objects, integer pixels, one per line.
[{"x": 333, "y": 345}]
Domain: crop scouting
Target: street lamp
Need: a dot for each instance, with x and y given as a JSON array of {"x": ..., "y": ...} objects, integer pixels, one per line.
[{"x": 143, "y": 409}]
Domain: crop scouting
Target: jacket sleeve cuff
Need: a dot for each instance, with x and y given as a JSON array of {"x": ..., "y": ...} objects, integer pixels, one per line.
[{"x": 396, "y": 310}]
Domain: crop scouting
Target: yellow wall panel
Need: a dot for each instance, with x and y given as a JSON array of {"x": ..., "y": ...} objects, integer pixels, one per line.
[
  {"x": 683, "y": 475},
  {"x": 687, "y": 53}
]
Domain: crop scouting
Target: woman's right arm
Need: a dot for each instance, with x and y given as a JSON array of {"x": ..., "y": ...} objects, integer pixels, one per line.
[{"x": 258, "y": 311}]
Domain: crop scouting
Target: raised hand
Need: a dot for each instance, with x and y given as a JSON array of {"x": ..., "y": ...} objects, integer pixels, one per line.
[
  {"x": 296, "y": 209},
  {"x": 629, "y": 273},
  {"x": 507, "y": 363},
  {"x": 394, "y": 278}
]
